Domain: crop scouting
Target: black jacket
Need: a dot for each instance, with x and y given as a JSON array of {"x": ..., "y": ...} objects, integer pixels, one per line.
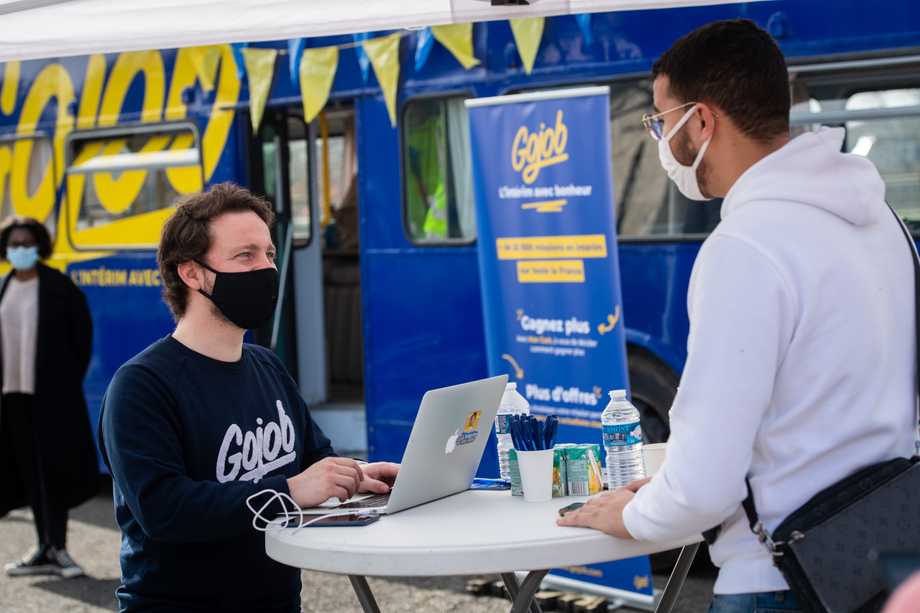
[{"x": 63, "y": 433}]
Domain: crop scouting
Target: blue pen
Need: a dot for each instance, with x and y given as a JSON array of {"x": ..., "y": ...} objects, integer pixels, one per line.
[
  {"x": 551, "y": 426},
  {"x": 516, "y": 433}
]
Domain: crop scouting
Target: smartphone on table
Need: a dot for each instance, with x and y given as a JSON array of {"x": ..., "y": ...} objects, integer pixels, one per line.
[
  {"x": 333, "y": 521},
  {"x": 572, "y": 507}
]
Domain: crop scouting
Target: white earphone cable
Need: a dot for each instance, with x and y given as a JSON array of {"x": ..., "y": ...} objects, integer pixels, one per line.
[{"x": 289, "y": 514}]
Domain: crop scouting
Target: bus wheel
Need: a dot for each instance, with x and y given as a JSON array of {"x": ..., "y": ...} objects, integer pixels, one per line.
[{"x": 653, "y": 386}]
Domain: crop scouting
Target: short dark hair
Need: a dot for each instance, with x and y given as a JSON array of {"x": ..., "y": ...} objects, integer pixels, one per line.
[
  {"x": 37, "y": 228},
  {"x": 737, "y": 67},
  {"x": 186, "y": 235}
]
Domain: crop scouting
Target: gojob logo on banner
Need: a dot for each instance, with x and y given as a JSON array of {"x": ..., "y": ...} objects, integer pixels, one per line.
[{"x": 533, "y": 151}]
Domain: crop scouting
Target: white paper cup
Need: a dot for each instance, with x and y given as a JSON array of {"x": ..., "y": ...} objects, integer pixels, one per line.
[
  {"x": 653, "y": 456},
  {"x": 536, "y": 474}
]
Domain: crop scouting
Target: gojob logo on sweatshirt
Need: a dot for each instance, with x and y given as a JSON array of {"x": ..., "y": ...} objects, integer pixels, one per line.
[{"x": 256, "y": 452}]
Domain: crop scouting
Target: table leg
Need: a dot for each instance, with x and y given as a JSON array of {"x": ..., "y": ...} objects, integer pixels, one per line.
[
  {"x": 676, "y": 580},
  {"x": 364, "y": 594},
  {"x": 522, "y": 596}
]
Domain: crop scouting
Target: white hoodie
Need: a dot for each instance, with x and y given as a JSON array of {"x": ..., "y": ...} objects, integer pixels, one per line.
[{"x": 801, "y": 359}]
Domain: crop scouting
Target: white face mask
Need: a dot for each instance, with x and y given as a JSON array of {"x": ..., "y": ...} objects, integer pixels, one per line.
[{"x": 683, "y": 176}]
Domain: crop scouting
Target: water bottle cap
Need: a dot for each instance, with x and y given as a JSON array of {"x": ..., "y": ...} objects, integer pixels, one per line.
[
  {"x": 618, "y": 394},
  {"x": 511, "y": 386}
]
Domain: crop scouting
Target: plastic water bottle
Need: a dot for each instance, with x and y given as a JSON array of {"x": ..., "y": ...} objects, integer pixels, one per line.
[
  {"x": 622, "y": 440},
  {"x": 512, "y": 404}
]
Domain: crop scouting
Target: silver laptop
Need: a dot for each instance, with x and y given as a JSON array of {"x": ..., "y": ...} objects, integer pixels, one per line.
[{"x": 448, "y": 437}]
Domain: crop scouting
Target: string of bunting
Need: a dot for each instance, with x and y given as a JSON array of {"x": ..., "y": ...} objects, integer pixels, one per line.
[{"x": 314, "y": 69}]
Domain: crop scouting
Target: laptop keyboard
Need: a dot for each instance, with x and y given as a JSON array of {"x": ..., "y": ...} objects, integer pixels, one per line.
[{"x": 378, "y": 500}]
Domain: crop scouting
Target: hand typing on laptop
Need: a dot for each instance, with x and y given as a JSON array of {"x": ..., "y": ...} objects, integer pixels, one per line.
[{"x": 340, "y": 478}]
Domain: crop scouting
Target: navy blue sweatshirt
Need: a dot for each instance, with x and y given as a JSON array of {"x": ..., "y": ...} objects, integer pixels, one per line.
[{"x": 187, "y": 439}]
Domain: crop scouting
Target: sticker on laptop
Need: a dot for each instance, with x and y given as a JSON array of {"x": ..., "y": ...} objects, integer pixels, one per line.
[{"x": 465, "y": 435}]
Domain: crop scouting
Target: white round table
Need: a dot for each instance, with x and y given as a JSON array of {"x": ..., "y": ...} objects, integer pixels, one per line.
[{"x": 474, "y": 532}]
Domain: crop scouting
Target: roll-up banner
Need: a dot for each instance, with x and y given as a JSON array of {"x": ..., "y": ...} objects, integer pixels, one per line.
[{"x": 549, "y": 271}]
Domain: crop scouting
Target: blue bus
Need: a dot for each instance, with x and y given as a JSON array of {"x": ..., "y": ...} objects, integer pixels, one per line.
[{"x": 381, "y": 295}]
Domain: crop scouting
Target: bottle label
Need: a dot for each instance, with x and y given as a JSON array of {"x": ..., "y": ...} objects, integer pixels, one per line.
[
  {"x": 502, "y": 424},
  {"x": 622, "y": 435}
]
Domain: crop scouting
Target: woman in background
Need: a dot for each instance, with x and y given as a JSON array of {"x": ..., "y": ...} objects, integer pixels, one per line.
[{"x": 47, "y": 456}]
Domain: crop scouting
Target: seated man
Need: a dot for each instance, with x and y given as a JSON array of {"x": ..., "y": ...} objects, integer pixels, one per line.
[{"x": 199, "y": 421}]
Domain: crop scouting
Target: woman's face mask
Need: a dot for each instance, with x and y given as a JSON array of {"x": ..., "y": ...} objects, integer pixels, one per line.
[
  {"x": 683, "y": 176},
  {"x": 22, "y": 258}
]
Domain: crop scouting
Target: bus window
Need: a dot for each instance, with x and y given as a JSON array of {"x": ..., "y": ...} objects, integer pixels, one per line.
[
  {"x": 892, "y": 144},
  {"x": 337, "y": 166},
  {"x": 648, "y": 205},
  {"x": 27, "y": 189},
  {"x": 123, "y": 183},
  {"x": 297, "y": 173},
  {"x": 437, "y": 175},
  {"x": 882, "y": 124}
]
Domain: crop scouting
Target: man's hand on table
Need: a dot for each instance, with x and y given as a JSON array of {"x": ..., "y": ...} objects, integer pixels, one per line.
[
  {"x": 604, "y": 512},
  {"x": 378, "y": 477}
]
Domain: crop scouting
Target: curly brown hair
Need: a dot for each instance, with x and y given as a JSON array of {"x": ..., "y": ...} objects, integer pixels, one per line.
[{"x": 186, "y": 235}]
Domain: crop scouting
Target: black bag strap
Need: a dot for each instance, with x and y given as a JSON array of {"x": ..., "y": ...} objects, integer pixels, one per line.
[{"x": 750, "y": 508}]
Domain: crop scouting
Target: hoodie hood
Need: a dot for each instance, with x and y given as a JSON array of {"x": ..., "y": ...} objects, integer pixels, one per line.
[{"x": 811, "y": 169}]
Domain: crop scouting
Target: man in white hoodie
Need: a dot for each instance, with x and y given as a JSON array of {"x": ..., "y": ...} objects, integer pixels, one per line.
[{"x": 801, "y": 358}]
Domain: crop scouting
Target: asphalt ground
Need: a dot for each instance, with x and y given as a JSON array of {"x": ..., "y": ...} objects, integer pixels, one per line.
[{"x": 93, "y": 541}]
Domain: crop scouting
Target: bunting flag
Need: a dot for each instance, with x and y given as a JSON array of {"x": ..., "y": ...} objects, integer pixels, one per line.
[
  {"x": 584, "y": 22},
  {"x": 384, "y": 55},
  {"x": 458, "y": 38},
  {"x": 10, "y": 87},
  {"x": 295, "y": 52},
  {"x": 363, "y": 61},
  {"x": 527, "y": 34},
  {"x": 237, "y": 49},
  {"x": 423, "y": 44},
  {"x": 317, "y": 71},
  {"x": 205, "y": 60},
  {"x": 260, "y": 68}
]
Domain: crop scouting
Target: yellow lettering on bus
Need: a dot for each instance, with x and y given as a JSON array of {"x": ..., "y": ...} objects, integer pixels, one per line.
[
  {"x": 188, "y": 179},
  {"x": 6, "y": 158},
  {"x": 127, "y": 67},
  {"x": 116, "y": 195},
  {"x": 29, "y": 180},
  {"x": 52, "y": 82},
  {"x": 221, "y": 120},
  {"x": 92, "y": 92},
  {"x": 183, "y": 76},
  {"x": 10, "y": 88}
]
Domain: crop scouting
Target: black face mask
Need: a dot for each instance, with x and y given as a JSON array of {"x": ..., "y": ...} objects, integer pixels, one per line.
[{"x": 248, "y": 298}]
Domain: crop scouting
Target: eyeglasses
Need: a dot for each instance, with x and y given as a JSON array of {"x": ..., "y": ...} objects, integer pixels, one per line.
[{"x": 655, "y": 123}]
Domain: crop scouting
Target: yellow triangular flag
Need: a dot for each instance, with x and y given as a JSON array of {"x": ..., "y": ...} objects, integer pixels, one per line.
[
  {"x": 205, "y": 60},
  {"x": 384, "y": 55},
  {"x": 527, "y": 34},
  {"x": 260, "y": 69},
  {"x": 458, "y": 38},
  {"x": 317, "y": 71},
  {"x": 10, "y": 87}
]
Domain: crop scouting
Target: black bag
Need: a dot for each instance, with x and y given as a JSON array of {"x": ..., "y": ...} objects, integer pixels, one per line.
[{"x": 824, "y": 548}]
